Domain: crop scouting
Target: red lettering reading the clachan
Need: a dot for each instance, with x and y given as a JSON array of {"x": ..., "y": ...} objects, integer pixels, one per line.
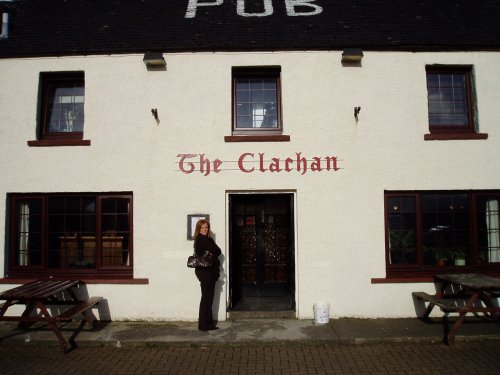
[
  {"x": 300, "y": 163},
  {"x": 248, "y": 162},
  {"x": 205, "y": 165}
]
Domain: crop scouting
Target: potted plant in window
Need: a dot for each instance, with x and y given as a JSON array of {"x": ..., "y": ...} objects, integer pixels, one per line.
[
  {"x": 402, "y": 246},
  {"x": 441, "y": 256},
  {"x": 459, "y": 257}
]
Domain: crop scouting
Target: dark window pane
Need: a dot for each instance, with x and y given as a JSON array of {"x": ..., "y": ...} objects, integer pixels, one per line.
[
  {"x": 108, "y": 205},
  {"x": 402, "y": 230},
  {"x": 57, "y": 205},
  {"x": 88, "y": 223},
  {"x": 63, "y": 105},
  {"x": 62, "y": 236},
  {"x": 256, "y": 102},
  {"x": 108, "y": 223},
  {"x": 57, "y": 223},
  {"x": 122, "y": 223},
  {"x": 242, "y": 84},
  {"x": 122, "y": 205},
  {"x": 244, "y": 122},
  {"x": 73, "y": 223},
  {"x": 242, "y": 97},
  {"x": 73, "y": 205},
  {"x": 447, "y": 99},
  {"x": 88, "y": 204}
]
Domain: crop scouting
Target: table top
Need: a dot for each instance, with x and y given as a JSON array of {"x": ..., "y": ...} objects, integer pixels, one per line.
[
  {"x": 38, "y": 289},
  {"x": 473, "y": 281}
]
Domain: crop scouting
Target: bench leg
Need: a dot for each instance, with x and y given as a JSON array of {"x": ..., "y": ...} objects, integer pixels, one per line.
[
  {"x": 446, "y": 328},
  {"x": 63, "y": 345},
  {"x": 88, "y": 317},
  {"x": 428, "y": 311},
  {"x": 27, "y": 312},
  {"x": 77, "y": 331},
  {"x": 458, "y": 323}
]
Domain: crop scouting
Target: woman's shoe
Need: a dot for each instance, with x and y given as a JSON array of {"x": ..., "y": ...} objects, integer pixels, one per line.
[{"x": 213, "y": 328}]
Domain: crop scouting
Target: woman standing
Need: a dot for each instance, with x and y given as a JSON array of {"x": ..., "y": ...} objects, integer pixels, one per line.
[{"x": 208, "y": 276}]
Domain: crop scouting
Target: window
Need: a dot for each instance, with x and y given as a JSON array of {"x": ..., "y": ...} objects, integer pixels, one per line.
[
  {"x": 450, "y": 101},
  {"x": 62, "y": 106},
  {"x": 257, "y": 103},
  {"x": 428, "y": 232},
  {"x": 70, "y": 234}
]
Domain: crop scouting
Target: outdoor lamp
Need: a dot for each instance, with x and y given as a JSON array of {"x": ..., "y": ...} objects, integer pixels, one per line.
[
  {"x": 154, "y": 59},
  {"x": 352, "y": 55}
]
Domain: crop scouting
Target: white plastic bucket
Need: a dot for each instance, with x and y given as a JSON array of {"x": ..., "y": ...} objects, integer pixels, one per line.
[{"x": 321, "y": 313}]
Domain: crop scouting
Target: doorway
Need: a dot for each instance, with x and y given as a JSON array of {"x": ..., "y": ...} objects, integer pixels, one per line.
[{"x": 262, "y": 254}]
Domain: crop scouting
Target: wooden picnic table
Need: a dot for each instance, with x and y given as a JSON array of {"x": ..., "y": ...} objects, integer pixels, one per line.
[
  {"x": 43, "y": 296},
  {"x": 462, "y": 293}
]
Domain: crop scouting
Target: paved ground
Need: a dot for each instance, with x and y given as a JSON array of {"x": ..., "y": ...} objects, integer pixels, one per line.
[
  {"x": 279, "y": 346},
  {"x": 466, "y": 357}
]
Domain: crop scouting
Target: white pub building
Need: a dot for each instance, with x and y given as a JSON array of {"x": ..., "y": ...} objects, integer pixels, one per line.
[{"x": 344, "y": 151}]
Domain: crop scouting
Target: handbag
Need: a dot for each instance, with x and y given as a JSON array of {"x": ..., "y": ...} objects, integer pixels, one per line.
[{"x": 200, "y": 261}]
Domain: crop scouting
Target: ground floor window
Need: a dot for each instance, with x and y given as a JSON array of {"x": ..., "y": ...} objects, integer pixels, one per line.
[
  {"x": 435, "y": 231},
  {"x": 80, "y": 235}
]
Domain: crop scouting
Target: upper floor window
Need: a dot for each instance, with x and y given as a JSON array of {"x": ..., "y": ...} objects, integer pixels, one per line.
[
  {"x": 62, "y": 109},
  {"x": 256, "y": 101},
  {"x": 428, "y": 232},
  {"x": 70, "y": 235},
  {"x": 451, "y": 107}
]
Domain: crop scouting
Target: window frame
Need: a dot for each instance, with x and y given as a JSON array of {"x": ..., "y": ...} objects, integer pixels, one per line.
[
  {"x": 257, "y": 72},
  {"x": 99, "y": 271},
  {"x": 451, "y": 132},
  {"x": 46, "y": 81},
  {"x": 421, "y": 270}
]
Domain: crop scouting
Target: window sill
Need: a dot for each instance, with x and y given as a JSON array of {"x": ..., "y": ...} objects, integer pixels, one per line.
[
  {"x": 140, "y": 281},
  {"x": 59, "y": 142},
  {"x": 257, "y": 138},
  {"x": 454, "y": 136}
]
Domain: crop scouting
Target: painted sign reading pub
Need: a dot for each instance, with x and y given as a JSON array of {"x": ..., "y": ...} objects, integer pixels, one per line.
[
  {"x": 294, "y": 8},
  {"x": 250, "y": 162}
]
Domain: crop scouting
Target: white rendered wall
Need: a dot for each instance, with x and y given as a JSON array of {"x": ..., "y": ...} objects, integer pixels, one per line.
[{"x": 339, "y": 215}]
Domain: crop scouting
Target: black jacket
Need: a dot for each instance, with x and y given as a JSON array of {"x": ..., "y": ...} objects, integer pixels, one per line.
[{"x": 205, "y": 243}]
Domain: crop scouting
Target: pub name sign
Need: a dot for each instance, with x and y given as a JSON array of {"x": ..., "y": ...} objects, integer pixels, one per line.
[{"x": 249, "y": 162}]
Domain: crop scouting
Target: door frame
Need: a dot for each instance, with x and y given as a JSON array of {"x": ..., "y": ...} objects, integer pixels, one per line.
[{"x": 227, "y": 262}]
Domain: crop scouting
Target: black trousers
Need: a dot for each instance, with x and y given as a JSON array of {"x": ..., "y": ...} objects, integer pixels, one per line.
[{"x": 208, "y": 278}]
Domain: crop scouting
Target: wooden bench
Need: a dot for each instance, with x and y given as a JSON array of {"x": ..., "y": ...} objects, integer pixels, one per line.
[
  {"x": 81, "y": 307},
  {"x": 452, "y": 303},
  {"x": 44, "y": 300},
  {"x": 446, "y": 304}
]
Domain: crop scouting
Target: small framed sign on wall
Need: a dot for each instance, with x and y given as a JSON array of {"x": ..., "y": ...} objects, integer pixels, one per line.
[{"x": 191, "y": 223}]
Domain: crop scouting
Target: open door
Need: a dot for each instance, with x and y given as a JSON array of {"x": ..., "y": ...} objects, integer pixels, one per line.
[{"x": 262, "y": 269}]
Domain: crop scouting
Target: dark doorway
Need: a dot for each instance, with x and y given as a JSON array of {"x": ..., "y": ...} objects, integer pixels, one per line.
[{"x": 261, "y": 270}]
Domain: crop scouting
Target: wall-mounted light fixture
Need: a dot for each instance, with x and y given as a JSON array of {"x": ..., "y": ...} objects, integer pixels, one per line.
[
  {"x": 154, "y": 60},
  {"x": 352, "y": 55}
]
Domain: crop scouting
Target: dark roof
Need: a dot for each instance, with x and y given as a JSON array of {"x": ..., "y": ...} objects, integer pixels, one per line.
[{"x": 81, "y": 27}]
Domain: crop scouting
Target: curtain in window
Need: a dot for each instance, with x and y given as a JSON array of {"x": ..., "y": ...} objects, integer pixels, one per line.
[
  {"x": 24, "y": 228},
  {"x": 493, "y": 230}
]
